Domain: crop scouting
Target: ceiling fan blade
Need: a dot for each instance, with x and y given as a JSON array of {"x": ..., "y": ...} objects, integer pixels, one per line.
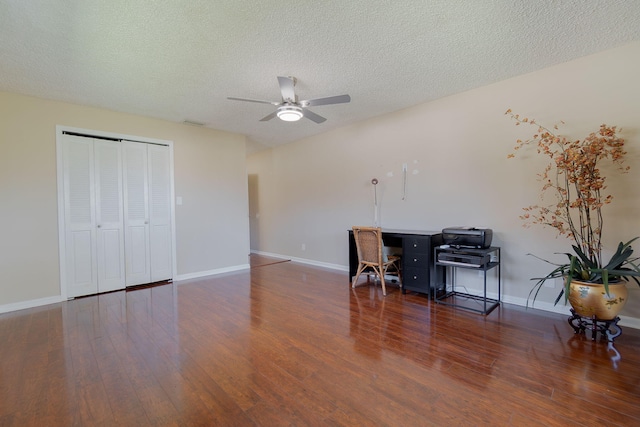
[
  {"x": 269, "y": 117},
  {"x": 340, "y": 99},
  {"x": 313, "y": 116},
  {"x": 259, "y": 101},
  {"x": 286, "y": 87}
]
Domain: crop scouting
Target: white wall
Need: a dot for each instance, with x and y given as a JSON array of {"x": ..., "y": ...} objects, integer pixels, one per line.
[
  {"x": 456, "y": 148},
  {"x": 212, "y": 232}
]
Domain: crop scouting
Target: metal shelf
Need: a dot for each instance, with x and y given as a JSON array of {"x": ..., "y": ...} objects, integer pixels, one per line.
[{"x": 477, "y": 303}]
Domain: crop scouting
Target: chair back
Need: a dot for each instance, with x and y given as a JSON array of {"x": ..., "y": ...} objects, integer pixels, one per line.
[{"x": 368, "y": 244}]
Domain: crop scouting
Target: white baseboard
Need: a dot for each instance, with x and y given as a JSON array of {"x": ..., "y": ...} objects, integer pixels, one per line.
[
  {"x": 625, "y": 321},
  {"x": 30, "y": 304},
  {"x": 199, "y": 274},
  {"x": 629, "y": 322},
  {"x": 6, "y": 308},
  {"x": 304, "y": 261},
  {"x": 544, "y": 306},
  {"x": 272, "y": 255}
]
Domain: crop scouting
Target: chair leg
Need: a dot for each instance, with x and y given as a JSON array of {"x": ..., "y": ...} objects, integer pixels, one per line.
[
  {"x": 384, "y": 289},
  {"x": 359, "y": 272}
]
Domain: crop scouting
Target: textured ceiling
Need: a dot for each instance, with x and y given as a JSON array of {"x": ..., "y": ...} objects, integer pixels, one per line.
[{"x": 180, "y": 59}]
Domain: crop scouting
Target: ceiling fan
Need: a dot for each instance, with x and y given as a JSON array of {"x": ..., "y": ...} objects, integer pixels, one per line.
[{"x": 290, "y": 109}]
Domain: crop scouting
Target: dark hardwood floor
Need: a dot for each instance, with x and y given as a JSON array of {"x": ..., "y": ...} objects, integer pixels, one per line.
[{"x": 290, "y": 344}]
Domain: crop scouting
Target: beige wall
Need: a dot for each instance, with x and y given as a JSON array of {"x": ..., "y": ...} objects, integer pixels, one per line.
[
  {"x": 210, "y": 175},
  {"x": 456, "y": 150}
]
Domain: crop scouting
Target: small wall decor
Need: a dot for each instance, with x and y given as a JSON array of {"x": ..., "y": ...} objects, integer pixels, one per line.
[{"x": 374, "y": 181}]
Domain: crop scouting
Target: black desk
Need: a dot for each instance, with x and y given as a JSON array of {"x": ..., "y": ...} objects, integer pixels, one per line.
[{"x": 419, "y": 272}]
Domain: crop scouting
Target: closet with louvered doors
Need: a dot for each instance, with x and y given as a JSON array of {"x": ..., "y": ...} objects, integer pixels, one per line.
[{"x": 116, "y": 228}]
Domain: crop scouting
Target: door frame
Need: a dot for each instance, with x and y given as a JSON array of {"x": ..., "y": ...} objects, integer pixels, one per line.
[{"x": 60, "y": 130}]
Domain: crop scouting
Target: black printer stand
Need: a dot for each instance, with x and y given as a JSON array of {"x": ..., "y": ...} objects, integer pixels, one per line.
[{"x": 475, "y": 259}]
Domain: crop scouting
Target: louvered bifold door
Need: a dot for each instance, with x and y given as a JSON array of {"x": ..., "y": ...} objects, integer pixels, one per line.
[
  {"x": 160, "y": 212},
  {"x": 109, "y": 215},
  {"x": 81, "y": 274},
  {"x": 136, "y": 208}
]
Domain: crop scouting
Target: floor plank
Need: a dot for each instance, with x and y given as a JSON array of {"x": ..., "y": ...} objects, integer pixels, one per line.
[{"x": 290, "y": 344}]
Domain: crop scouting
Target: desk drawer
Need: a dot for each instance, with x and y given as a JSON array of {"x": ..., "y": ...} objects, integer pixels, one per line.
[
  {"x": 416, "y": 260},
  {"x": 416, "y": 279},
  {"x": 417, "y": 245}
]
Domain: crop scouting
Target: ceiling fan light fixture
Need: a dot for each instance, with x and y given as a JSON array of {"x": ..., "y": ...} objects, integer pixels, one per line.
[{"x": 290, "y": 113}]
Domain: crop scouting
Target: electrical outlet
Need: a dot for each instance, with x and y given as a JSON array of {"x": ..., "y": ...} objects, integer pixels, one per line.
[
  {"x": 304, "y": 247},
  {"x": 552, "y": 283}
]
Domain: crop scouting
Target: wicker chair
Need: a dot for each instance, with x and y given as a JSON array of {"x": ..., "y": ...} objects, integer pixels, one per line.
[{"x": 370, "y": 255}]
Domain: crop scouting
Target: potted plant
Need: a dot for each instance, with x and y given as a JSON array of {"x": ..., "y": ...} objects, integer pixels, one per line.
[{"x": 575, "y": 182}]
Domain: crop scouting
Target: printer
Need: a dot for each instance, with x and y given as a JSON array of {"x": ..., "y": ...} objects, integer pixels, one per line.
[{"x": 467, "y": 237}]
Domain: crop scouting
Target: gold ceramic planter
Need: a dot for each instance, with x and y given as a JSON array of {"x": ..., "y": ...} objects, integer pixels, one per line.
[{"x": 589, "y": 299}]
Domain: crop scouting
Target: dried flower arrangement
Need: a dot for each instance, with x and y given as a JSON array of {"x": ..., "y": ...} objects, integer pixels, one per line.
[{"x": 575, "y": 178}]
